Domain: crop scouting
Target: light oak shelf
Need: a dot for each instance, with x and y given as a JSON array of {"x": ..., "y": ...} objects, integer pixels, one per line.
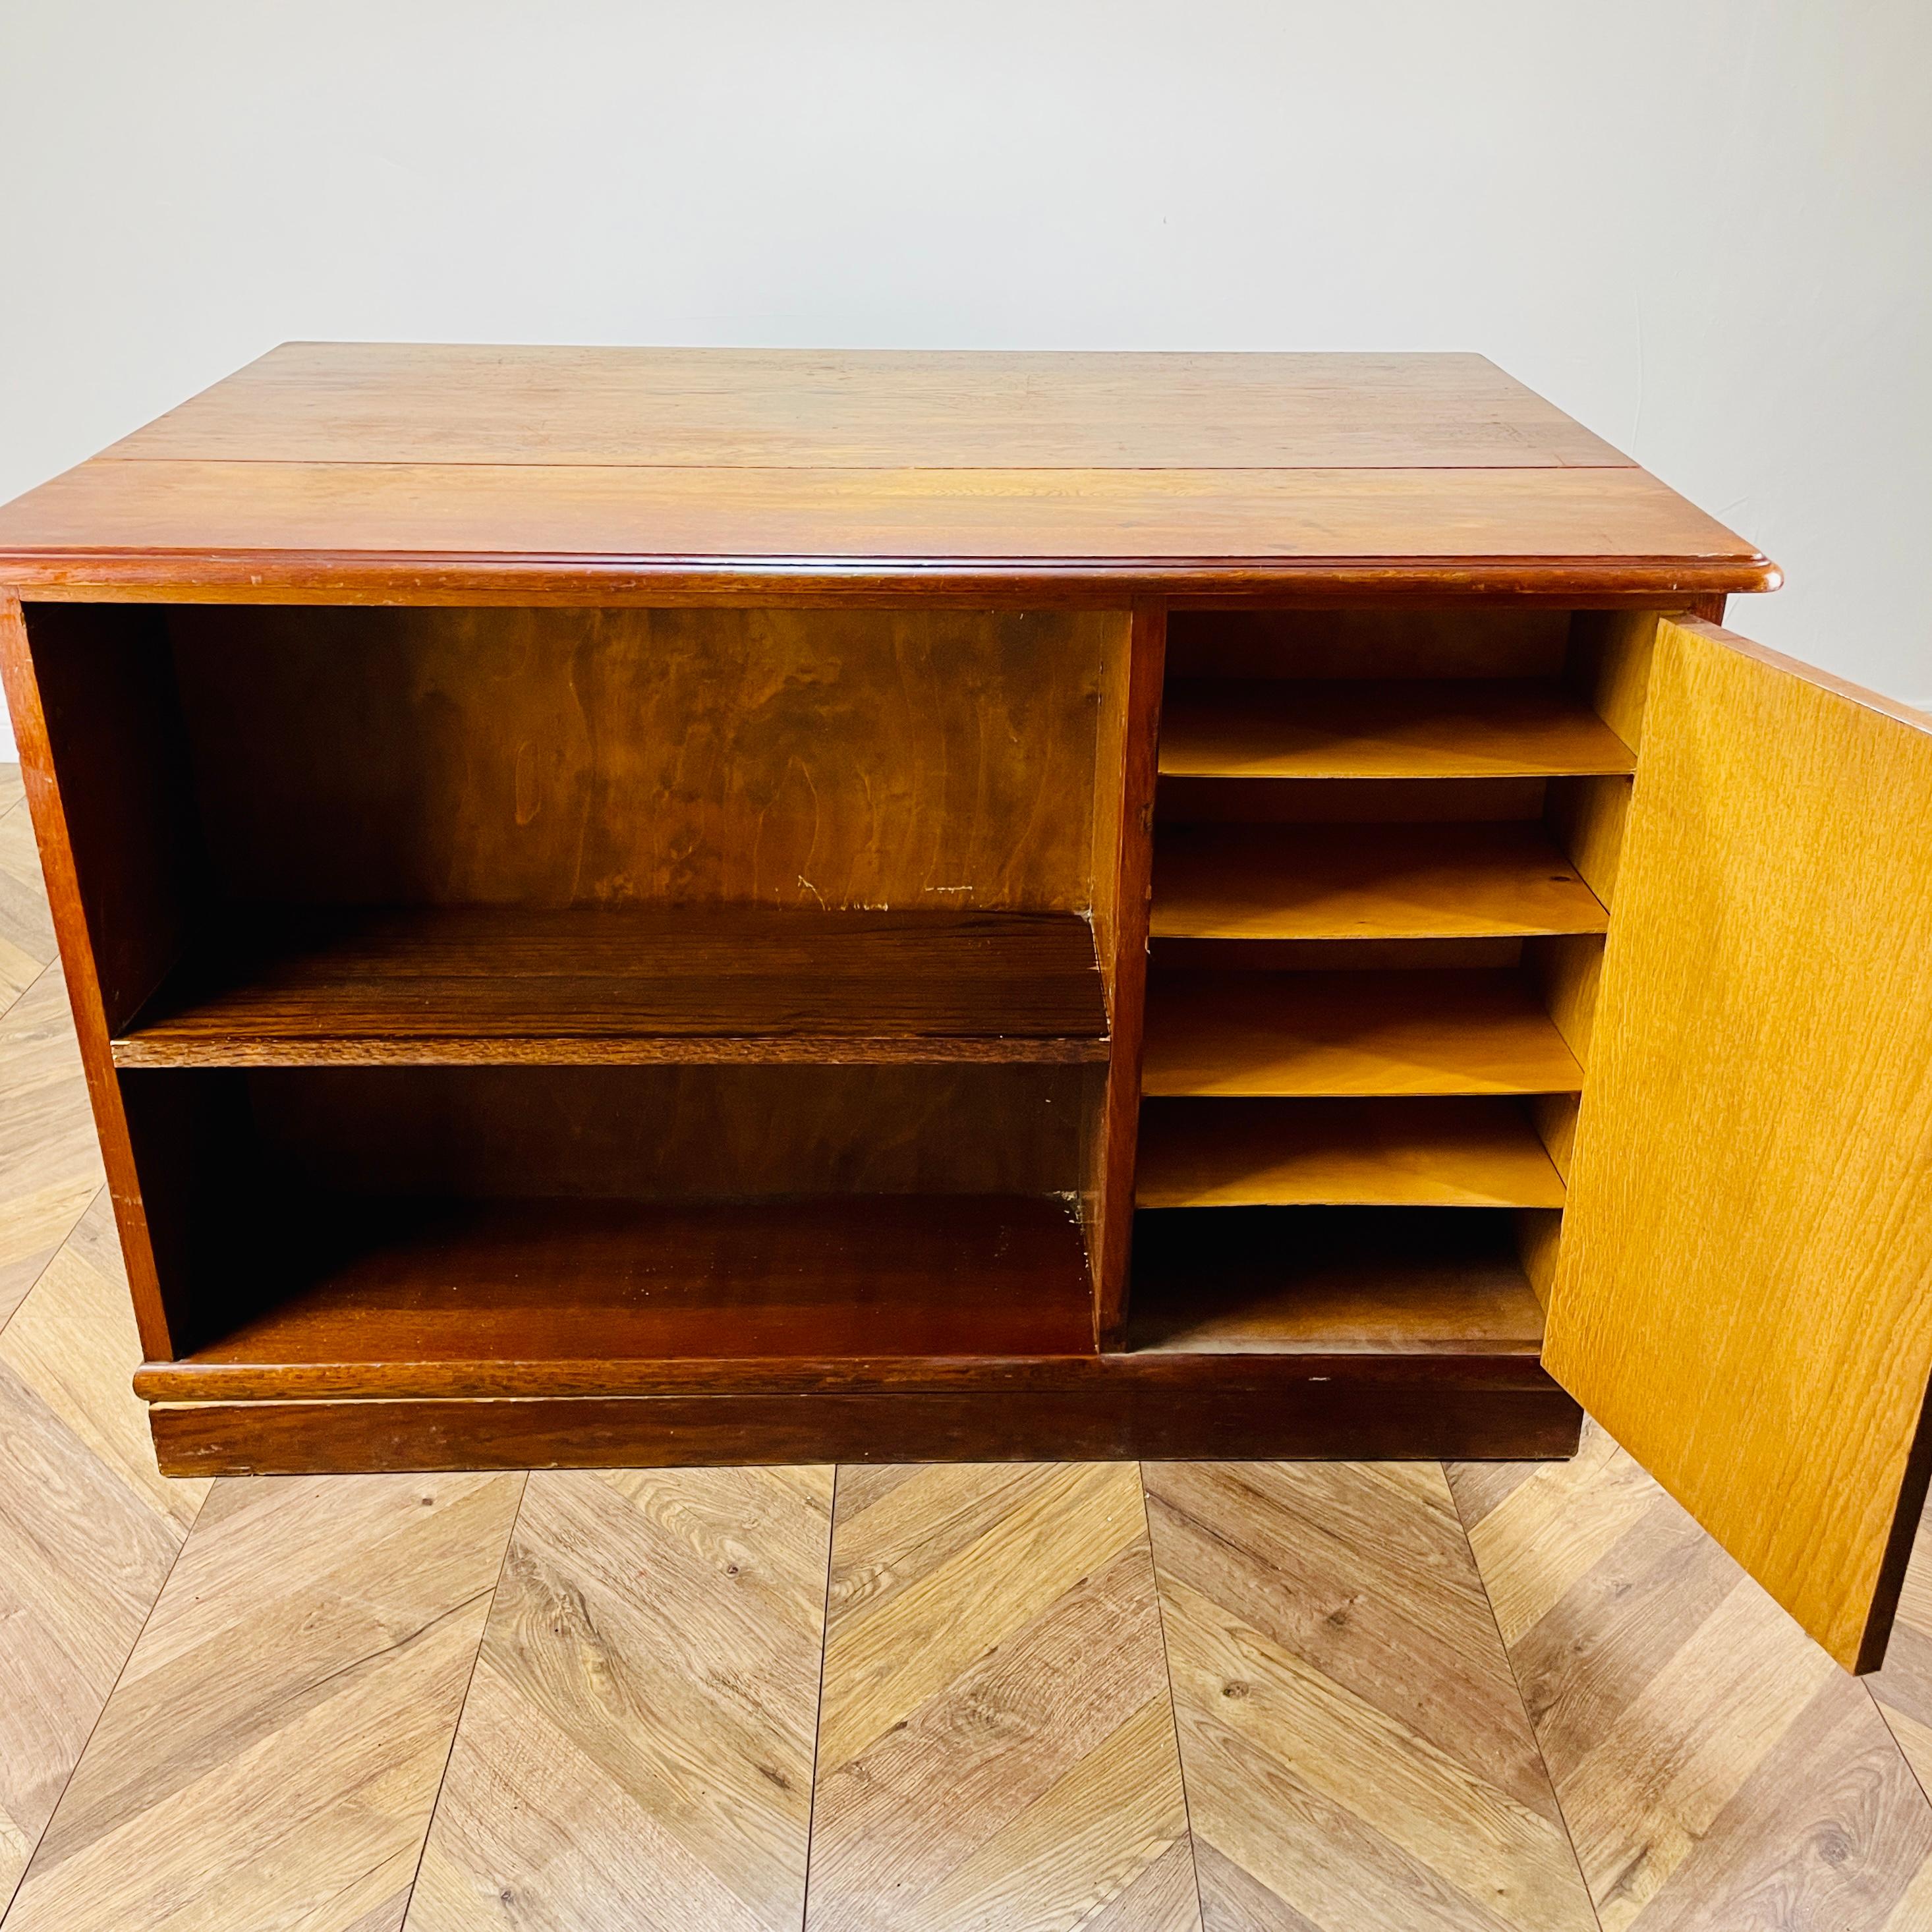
[
  {"x": 472, "y": 986},
  {"x": 1283, "y": 1281},
  {"x": 1366, "y": 882},
  {"x": 1309, "y": 1034},
  {"x": 1448, "y": 728},
  {"x": 1446, "y": 1153}
]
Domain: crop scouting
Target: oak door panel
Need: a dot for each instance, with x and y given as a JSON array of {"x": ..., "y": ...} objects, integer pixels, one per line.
[{"x": 1745, "y": 1293}]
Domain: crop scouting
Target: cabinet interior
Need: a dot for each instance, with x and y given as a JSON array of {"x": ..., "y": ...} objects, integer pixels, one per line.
[{"x": 596, "y": 984}]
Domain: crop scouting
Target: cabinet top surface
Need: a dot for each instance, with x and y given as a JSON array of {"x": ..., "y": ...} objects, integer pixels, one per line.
[{"x": 370, "y": 469}]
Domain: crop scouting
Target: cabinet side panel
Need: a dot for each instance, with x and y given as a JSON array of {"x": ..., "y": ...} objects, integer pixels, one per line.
[{"x": 92, "y": 710}]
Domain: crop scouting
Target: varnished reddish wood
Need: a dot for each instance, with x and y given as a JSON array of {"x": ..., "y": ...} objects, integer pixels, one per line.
[
  {"x": 1311, "y": 1406},
  {"x": 904, "y": 759},
  {"x": 350, "y": 471},
  {"x": 102, "y": 786},
  {"x": 363, "y": 1296},
  {"x": 1127, "y": 529},
  {"x": 679, "y": 1133},
  {"x": 1204, "y": 586},
  {"x": 493, "y": 984},
  {"x": 499, "y": 749},
  {"x": 865, "y": 408},
  {"x": 1126, "y": 932}
]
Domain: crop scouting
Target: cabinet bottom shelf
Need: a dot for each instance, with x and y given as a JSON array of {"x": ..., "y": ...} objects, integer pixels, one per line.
[
  {"x": 440, "y": 1333},
  {"x": 456, "y": 1297},
  {"x": 1270, "y": 1281}
]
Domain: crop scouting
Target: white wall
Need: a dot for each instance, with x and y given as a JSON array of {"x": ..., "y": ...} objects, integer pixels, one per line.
[{"x": 1703, "y": 226}]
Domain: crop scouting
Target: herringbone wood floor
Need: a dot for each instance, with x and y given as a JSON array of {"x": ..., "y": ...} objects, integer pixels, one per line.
[{"x": 1185, "y": 1698}]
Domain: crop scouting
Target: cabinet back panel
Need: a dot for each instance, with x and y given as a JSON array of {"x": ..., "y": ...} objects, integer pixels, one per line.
[
  {"x": 551, "y": 756},
  {"x": 673, "y": 1133},
  {"x": 1470, "y": 641},
  {"x": 1189, "y": 801}
]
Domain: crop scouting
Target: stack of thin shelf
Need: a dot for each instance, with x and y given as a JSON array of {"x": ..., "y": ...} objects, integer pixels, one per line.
[{"x": 1313, "y": 1140}]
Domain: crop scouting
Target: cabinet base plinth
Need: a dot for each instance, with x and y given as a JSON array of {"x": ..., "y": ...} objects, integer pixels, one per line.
[{"x": 1284, "y": 1416}]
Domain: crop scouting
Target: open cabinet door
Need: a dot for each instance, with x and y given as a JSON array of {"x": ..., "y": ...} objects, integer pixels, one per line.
[{"x": 1743, "y": 1295}]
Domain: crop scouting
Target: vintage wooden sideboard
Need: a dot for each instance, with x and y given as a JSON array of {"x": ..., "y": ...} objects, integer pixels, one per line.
[{"x": 634, "y": 906}]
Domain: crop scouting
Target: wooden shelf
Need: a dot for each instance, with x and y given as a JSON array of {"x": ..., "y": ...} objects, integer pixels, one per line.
[
  {"x": 371, "y": 1297},
  {"x": 1294, "y": 1034},
  {"x": 1276, "y": 1281},
  {"x": 1243, "y": 727},
  {"x": 1451, "y": 1152},
  {"x": 423, "y": 986},
  {"x": 1366, "y": 882}
]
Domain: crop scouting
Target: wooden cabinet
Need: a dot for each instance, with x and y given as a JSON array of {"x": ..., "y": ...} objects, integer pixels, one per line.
[{"x": 661, "y": 907}]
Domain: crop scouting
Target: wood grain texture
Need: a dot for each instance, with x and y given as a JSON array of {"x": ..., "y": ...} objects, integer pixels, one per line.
[
  {"x": 1484, "y": 1403},
  {"x": 375, "y": 1298},
  {"x": 1356, "y": 1754},
  {"x": 361, "y": 402},
  {"x": 1123, "y": 889},
  {"x": 49, "y": 1160},
  {"x": 1365, "y": 882},
  {"x": 272, "y": 1751},
  {"x": 88, "y": 1530},
  {"x": 1406, "y": 1283},
  {"x": 1610, "y": 660},
  {"x": 1903, "y": 1687},
  {"x": 1453, "y": 1153},
  {"x": 636, "y": 1746},
  {"x": 691, "y": 1134},
  {"x": 1464, "y": 728},
  {"x": 27, "y": 943},
  {"x": 420, "y": 985},
  {"x": 996, "y": 1746},
  {"x": 1289, "y": 1034},
  {"x": 1746, "y": 1316},
  {"x": 1715, "y": 1770},
  {"x": 102, "y": 986},
  {"x": 337, "y": 472},
  {"x": 904, "y": 759},
  {"x": 364, "y": 526}
]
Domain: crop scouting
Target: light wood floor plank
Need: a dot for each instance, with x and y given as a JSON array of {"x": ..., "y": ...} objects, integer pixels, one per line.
[
  {"x": 636, "y": 1750},
  {"x": 26, "y": 929},
  {"x": 82, "y": 1556},
  {"x": 1355, "y": 1752},
  {"x": 272, "y": 1750},
  {"x": 996, "y": 1746},
  {"x": 49, "y": 1161},
  {"x": 1903, "y": 1688},
  {"x": 1363, "y": 1570},
  {"x": 1717, "y": 1770},
  {"x": 88, "y": 1529}
]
